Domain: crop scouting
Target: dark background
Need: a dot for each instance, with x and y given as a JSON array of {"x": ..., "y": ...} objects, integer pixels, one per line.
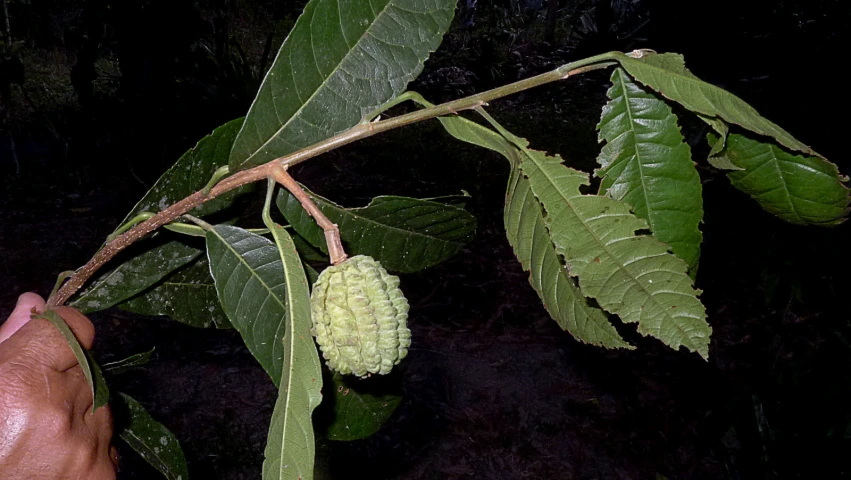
[{"x": 99, "y": 98}]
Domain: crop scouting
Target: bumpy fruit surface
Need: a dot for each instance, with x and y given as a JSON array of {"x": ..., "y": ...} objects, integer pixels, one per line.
[{"x": 360, "y": 317}]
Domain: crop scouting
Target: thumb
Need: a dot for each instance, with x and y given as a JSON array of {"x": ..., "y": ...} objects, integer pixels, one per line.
[{"x": 21, "y": 315}]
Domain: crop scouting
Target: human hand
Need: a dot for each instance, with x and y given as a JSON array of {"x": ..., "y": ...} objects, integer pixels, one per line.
[{"x": 47, "y": 430}]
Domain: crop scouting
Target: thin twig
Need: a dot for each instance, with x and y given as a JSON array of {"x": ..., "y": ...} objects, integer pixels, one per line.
[
  {"x": 355, "y": 133},
  {"x": 332, "y": 233}
]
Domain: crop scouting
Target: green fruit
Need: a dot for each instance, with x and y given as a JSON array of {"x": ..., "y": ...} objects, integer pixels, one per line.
[{"x": 360, "y": 317}]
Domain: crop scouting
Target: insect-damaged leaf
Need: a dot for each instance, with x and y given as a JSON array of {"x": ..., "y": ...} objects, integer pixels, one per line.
[
  {"x": 647, "y": 164},
  {"x": 527, "y": 233},
  {"x": 630, "y": 275}
]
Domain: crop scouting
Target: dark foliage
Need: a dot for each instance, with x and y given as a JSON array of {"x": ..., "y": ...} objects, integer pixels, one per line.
[{"x": 99, "y": 97}]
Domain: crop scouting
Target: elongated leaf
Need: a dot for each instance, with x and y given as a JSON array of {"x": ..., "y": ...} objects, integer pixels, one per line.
[
  {"x": 631, "y": 275},
  {"x": 252, "y": 289},
  {"x": 150, "y": 439},
  {"x": 187, "y": 295},
  {"x": 91, "y": 370},
  {"x": 524, "y": 225},
  {"x": 158, "y": 256},
  {"x": 125, "y": 364},
  {"x": 341, "y": 61},
  {"x": 647, "y": 164},
  {"x": 291, "y": 446},
  {"x": 404, "y": 234},
  {"x": 798, "y": 189},
  {"x": 359, "y": 409},
  {"x": 165, "y": 252},
  {"x": 667, "y": 74}
]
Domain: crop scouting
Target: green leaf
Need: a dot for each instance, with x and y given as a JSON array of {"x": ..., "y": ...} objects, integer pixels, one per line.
[
  {"x": 187, "y": 296},
  {"x": 630, "y": 275},
  {"x": 150, "y": 439},
  {"x": 647, "y": 164},
  {"x": 458, "y": 200},
  {"x": 252, "y": 289},
  {"x": 159, "y": 256},
  {"x": 91, "y": 370},
  {"x": 524, "y": 225},
  {"x": 798, "y": 189},
  {"x": 667, "y": 74},
  {"x": 290, "y": 447},
  {"x": 312, "y": 274},
  {"x": 722, "y": 129},
  {"x": 360, "y": 408},
  {"x": 165, "y": 252},
  {"x": 404, "y": 234},
  {"x": 340, "y": 62},
  {"x": 307, "y": 251},
  {"x": 125, "y": 364}
]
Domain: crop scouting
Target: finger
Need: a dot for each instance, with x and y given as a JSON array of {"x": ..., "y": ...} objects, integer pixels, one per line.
[
  {"x": 79, "y": 324},
  {"x": 101, "y": 426},
  {"x": 39, "y": 343},
  {"x": 21, "y": 315}
]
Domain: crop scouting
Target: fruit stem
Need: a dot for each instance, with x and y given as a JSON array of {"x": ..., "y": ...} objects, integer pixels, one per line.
[{"x": 332, "y": 233}]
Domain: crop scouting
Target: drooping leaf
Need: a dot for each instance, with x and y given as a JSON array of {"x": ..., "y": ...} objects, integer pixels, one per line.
[
  {"x": 404, "y": 234},
  {"x": 647, "y": 164},
  {"x": 125, "y": 364},
  {"x": 291, "y": 444},
  {"x": 359, "y": 408},
  {"x": 149, "y": 438},
  {"x": 633, "y": 276},
  {"x": 165, "y": 252},
  {"x": 91, "y": 370},
  {"x": 252, "y": 290},
  {"x": 667, "y": 74},
  {"x": 340, "y": 62},
  {"x": 524, "y": 225},
  {"x": 798, "y": 189},
  {"x": 187, "y": 296},
  {"x": 630, "y": 275}
]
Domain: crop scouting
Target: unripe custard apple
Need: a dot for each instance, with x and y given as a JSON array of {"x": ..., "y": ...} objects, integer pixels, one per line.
[{"x": 360, "y": 317}]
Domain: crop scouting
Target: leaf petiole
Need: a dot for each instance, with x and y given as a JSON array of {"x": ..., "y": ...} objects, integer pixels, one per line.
[
  {"x": 218, "y": 175},
  {"x": 332, "y": 233}
]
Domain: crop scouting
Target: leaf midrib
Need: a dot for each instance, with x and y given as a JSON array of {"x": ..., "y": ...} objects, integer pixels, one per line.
[
  {"x": 617, "y": 262},
  {"x": 635, "y": 146},
  {"x": 249, "y": 267},
  {"x": 764, "y": 125},
  {"x": 325, "y": 81},
  {"x": 129, "y": 433},
  {"x": 288, "y": 332},
  {"x": 337, "y": 208}
]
